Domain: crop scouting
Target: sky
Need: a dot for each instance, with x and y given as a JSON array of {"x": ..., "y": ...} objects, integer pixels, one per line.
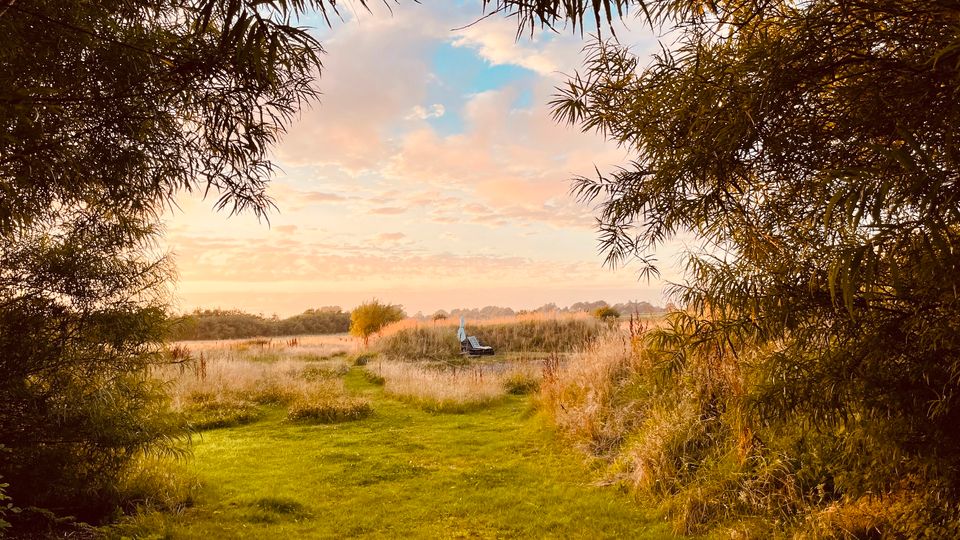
[{"x": 430, "y": 174}]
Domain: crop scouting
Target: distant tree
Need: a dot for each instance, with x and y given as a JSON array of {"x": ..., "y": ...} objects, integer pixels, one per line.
[
  {"x": 606, "y": 314},
  {"x": 588, "y": 306},
  {"x": 370, "y": 317},
  {"x": 547, "y": 308},
  {"x": 439, "y": 316}
]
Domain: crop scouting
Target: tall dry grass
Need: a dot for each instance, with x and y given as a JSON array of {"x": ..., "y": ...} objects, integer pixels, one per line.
[
  {"x": 676, "y": 426},
  {"x": 226, "y": 383},
  {"x": 584, "y": 393},
  {"x": 530, "y": 334},
  {"x": 452, "y": 388}
]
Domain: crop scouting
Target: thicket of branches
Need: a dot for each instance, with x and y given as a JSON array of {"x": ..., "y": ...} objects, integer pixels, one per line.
[
  {"x": 812, "y": 148},
  {"x": 109, "y": 110}
]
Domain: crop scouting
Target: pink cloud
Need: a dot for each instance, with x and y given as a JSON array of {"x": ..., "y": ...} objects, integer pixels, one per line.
[
  {"x": 390, "y": 237},
  {"x": 388, "y": 210}
]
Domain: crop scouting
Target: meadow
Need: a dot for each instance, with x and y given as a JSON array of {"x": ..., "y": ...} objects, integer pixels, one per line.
[
  {"x": 310, "y": 437},
  {"x": 616, "y": 430}
]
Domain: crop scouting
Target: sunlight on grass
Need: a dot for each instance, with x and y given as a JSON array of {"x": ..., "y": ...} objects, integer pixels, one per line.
[{"x": 495, "y": 472}]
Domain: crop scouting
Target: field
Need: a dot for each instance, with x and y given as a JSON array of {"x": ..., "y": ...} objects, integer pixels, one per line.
[{"x": 391, "y": 449}]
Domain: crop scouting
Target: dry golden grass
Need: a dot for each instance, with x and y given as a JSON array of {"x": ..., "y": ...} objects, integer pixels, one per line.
[
  {"x": 580, "y": 392},
  {"x": 445, "y": 388},
  {"x": 310, "y": 346},
  {"x": 454, "y": 322},
  {"x": 224, "y": 383},
  {"x": 532, "y": 334}
]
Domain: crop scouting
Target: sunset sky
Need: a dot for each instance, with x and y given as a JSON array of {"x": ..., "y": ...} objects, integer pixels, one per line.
[{"x": 430, "y": 175}]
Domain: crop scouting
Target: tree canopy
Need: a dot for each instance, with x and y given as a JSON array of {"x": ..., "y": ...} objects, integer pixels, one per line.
[
  {"x": 126, "y": 103},
  {"x": 811, "y": 146},
  {"x": 370, "y": 317},
  {"x": 108, "y": 110}
]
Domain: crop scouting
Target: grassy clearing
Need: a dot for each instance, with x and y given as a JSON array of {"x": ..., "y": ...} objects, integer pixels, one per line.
[{"x": 495, "y": 472}]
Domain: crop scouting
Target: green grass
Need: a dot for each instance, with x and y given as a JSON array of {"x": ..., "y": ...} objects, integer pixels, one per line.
[{"x": 402, "y": 472}]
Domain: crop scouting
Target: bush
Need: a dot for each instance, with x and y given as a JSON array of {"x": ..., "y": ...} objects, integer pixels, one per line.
[
  {"x": 6, "y": 505},
  {"x": 362, "y": 359},
  {"x": 606, "y": 314},
  {"x": 220, "y": 411},
  {"x": 680, "y": 429},
  {"x": 319, "y": 372}
]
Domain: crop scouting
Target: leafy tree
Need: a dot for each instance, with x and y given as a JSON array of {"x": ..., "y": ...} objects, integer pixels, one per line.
[
  {"x": 125, "y": 103},
  {"x": 370, "y": 317},
  {"x": 81, "y": 322},
  {"x": 606, "y": 314},
  {"x": 812, "y": 147},
  {"x": 108, "y": 110}
]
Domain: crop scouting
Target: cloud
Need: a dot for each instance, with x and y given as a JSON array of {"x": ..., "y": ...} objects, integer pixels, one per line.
[
  {"x": 390, "y": 237},
  {"x": 436, "y": 111},
  {"x": 388, "y": 210},
  {"x": 399, "y": 181},
  {"x": 317, "y": 196},
  {"x": 495, "y": 40}
]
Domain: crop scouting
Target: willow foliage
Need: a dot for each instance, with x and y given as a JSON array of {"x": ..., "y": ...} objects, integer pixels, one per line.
[
  {"x": 812, "y": 147},
  {"x": 108, "y": 110}
]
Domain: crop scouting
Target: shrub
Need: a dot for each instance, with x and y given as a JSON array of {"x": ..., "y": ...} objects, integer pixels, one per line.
[
  {"x": 220, "y": 411},
  {"x": 362, "y": 359},
  {"x": 606, "y": 314},
  {"x": 370, "y": 317},
  {"x": 319, "y": 372},
  {"x": 678, "y": 427},
  {"x": 6, "y": 505}
]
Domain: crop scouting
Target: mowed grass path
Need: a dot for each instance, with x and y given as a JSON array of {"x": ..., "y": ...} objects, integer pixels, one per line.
[{"x": 491, "y": 473}]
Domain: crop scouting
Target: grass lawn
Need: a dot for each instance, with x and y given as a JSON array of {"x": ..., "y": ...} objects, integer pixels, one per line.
[{"x": 491, "y": 473}]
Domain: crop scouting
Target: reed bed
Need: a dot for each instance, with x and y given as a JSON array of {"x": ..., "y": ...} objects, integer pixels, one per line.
[{"x": 413, "y": 340}]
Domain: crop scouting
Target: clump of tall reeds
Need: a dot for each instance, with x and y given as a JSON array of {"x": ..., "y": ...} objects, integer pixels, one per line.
[
  {"x": 327, "y": 404},
  {"x": 533, "y": 333}
]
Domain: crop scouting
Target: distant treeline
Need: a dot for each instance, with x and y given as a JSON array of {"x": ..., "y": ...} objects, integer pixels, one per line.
[
  {"x": 492, "y": 312},
  {"x": 233, "y": 323},
  {"x": 230, "y": 324}
]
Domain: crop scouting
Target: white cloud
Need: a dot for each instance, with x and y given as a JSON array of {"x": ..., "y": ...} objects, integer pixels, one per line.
[{"x": 420, "y": 113}]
